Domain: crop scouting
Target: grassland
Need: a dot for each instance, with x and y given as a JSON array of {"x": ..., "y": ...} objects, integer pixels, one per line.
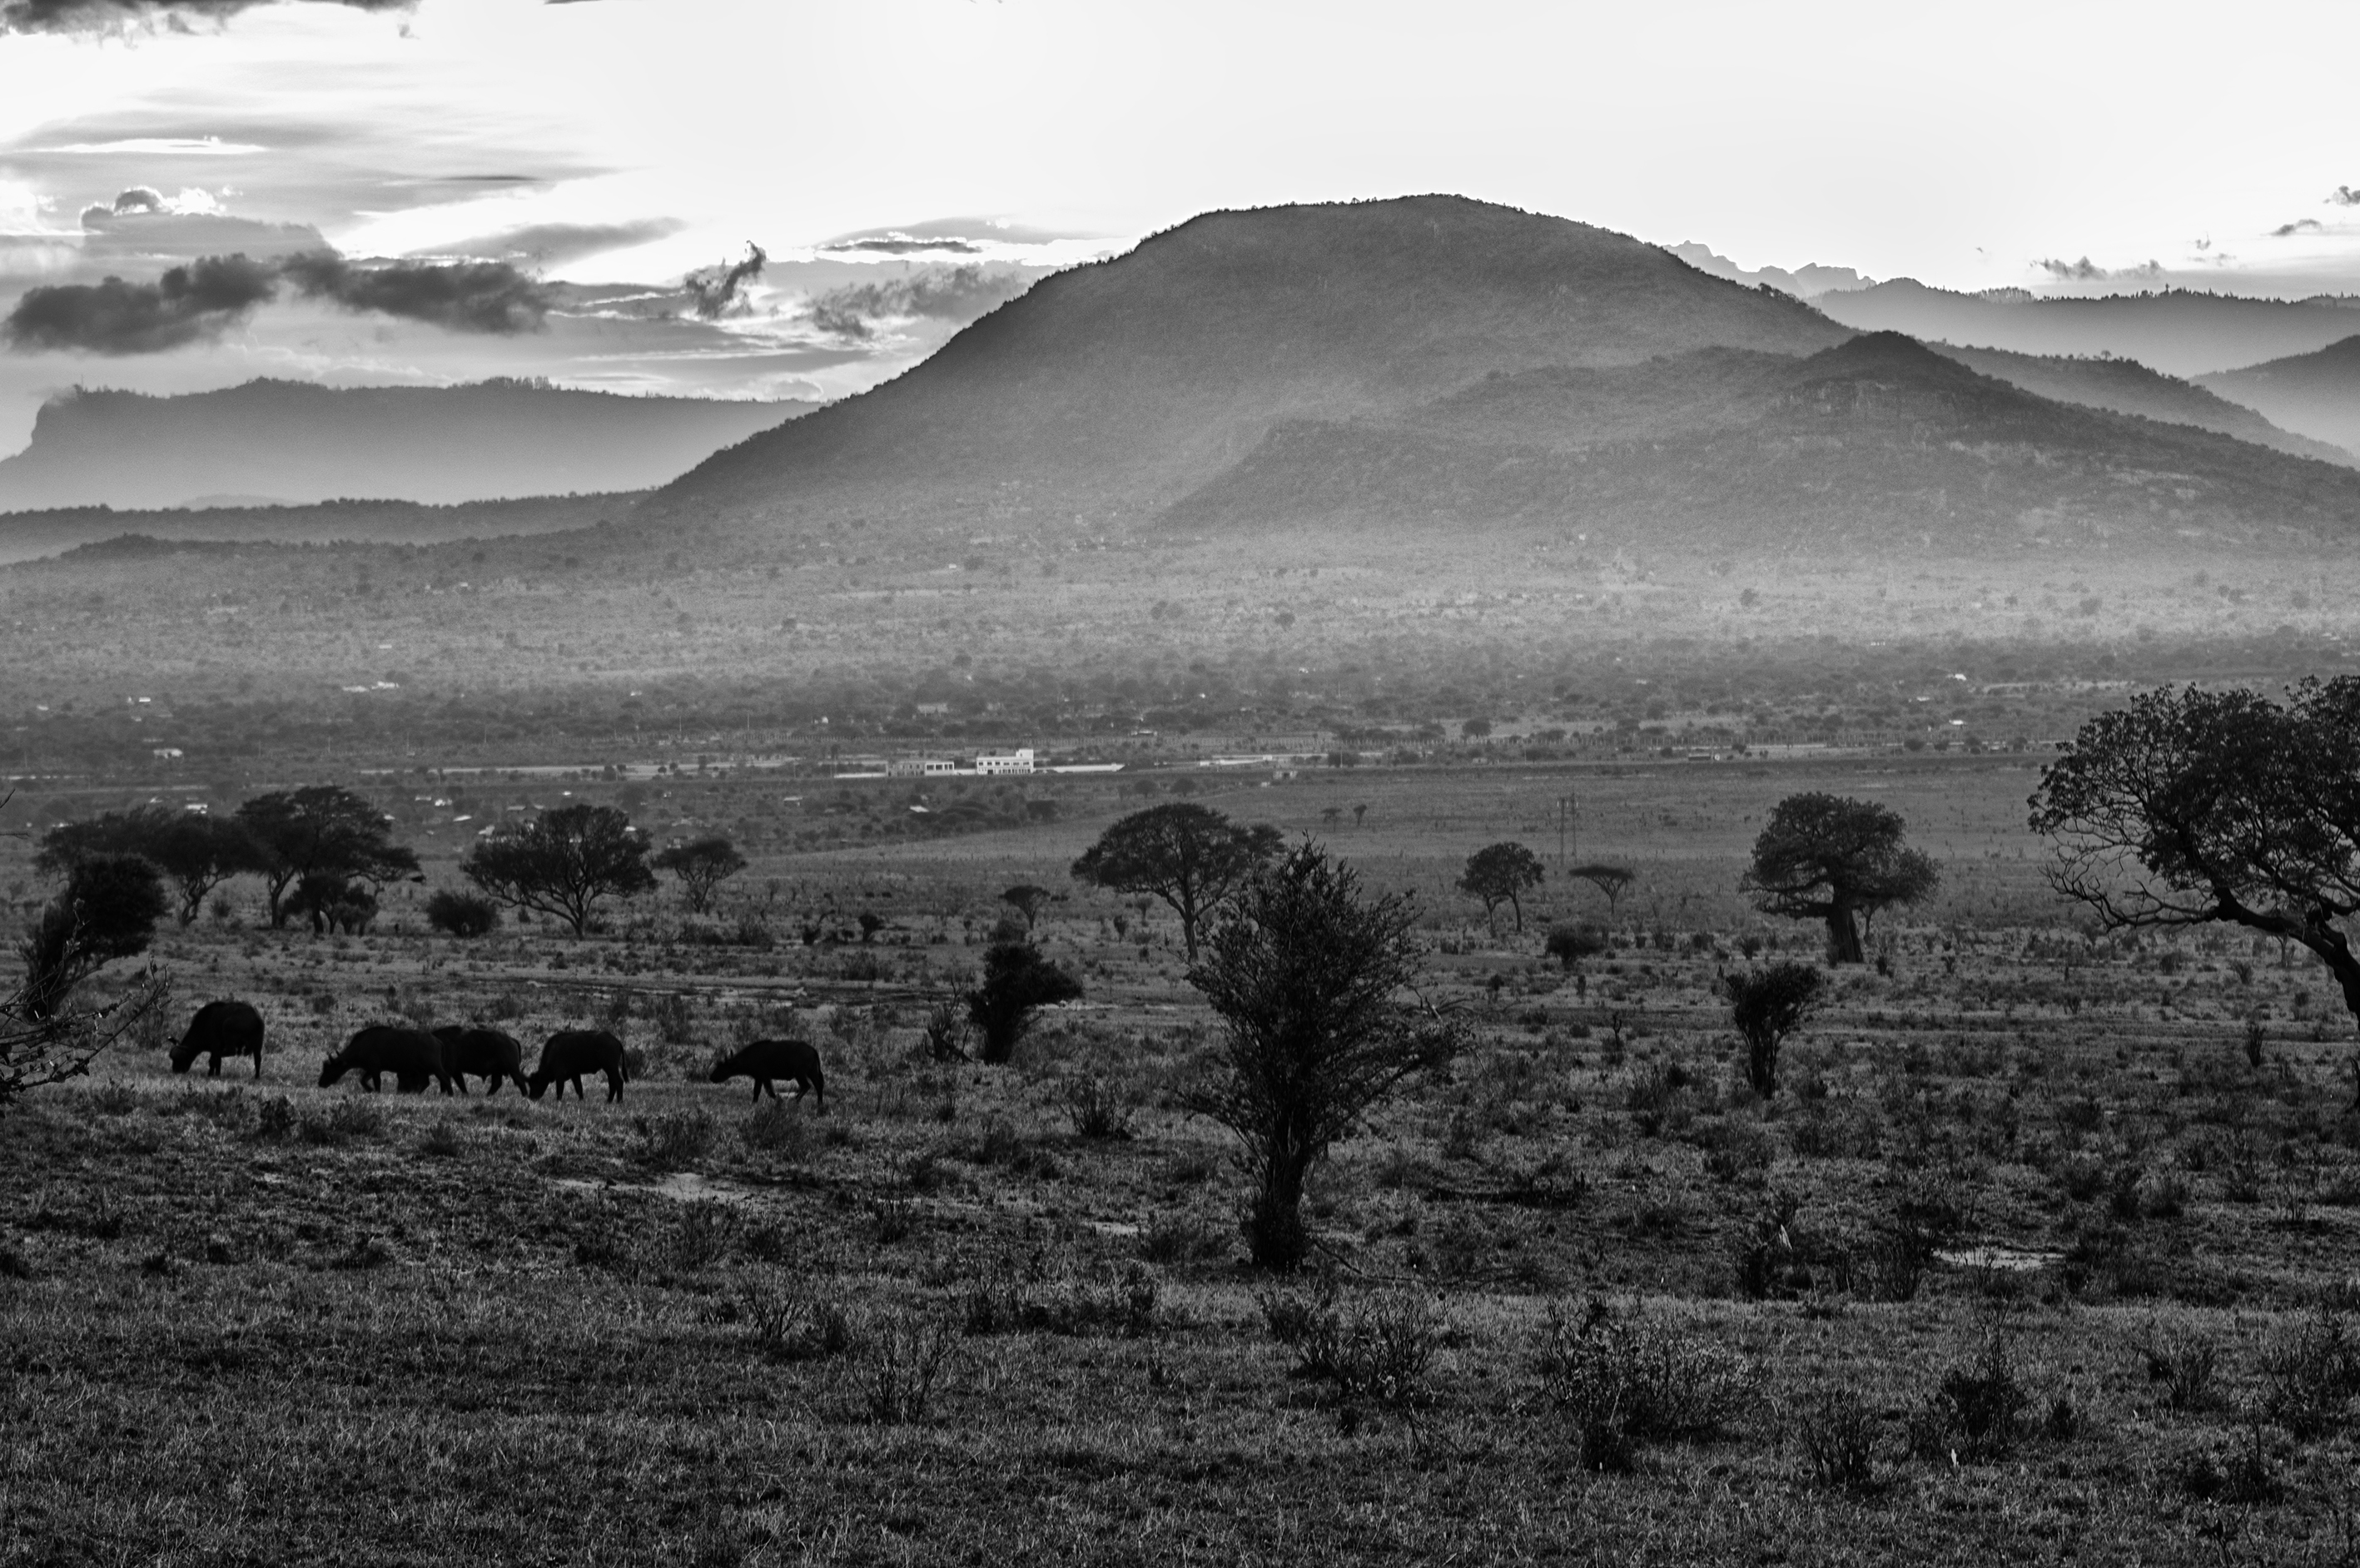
[{"x": 2027, "y": 1261}]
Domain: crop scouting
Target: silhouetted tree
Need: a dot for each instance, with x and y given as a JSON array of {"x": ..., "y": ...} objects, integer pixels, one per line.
[
  {"x": 1028, "y": 899},
  {"x": 196, "y": 851},
  {"x": 563, "y": 863},
  {"x": 1611, "y": 880},
  {"x": 1569, "y": 945},
  {"x": 1827, "y": 858},
  {"x": 1766, "y": 1006},
  {"x": 320, "y": 830},
  {"x": 1310, "y": 981},
  {"x": 701, "y": 866},
  {"x": 462, "y": 914},
  {"x": 1500, "y": 874},
  {"x": 1191, "y": 856},
  {"x": 107, "y": 909},
  {"x": 1017, "y": 981}
]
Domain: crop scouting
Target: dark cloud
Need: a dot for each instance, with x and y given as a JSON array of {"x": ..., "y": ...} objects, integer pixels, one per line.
[
  {"x": 2300, "y": 227},
  {"x": 715, "y": 289},
  {"x": 2088, "y": 271},
  {"x": 901, "y": 244},
  {"x": 2345, "y": 197},
  {"x": 463, "y": 297},
  {"x": 186, "y": 305},
  {"x": 112, "y": 16},
  {"x": 952, "y": 293},
  {"x": 553, "y": 244}
]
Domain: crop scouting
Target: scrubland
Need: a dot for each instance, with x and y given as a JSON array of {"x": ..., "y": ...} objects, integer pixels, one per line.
[{"x": 2029, "y": 1260}]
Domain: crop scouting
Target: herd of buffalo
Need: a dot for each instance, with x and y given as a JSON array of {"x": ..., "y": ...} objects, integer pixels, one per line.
[{"x": 451, "y": 1054}]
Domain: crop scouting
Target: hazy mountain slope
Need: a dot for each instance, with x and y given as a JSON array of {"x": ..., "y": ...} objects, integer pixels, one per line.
[
  {"x": 296, "y": 442},
  {"x": 26, "y": 536},
  {"x": 1877, "y": 445},
  {"x": 2316, "y": 394},
  {"x": 2126, "y": 386},
  {"x": 2177, "y": 331},
  {"x": 1119, "y": 385}
]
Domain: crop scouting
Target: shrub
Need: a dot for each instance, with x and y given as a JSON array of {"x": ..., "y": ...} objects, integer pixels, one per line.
[
  {"x": 1177, "y": 1238},
  {"x": 1622, "y": 1383},
  {"x": 462, "y": 914},
  {"x": 1017, "y": 981},
  {"x": 1095, "y": 1109},
  {"x": 2184, "y": 1364},
  {"x": 675, "y": 1141},
  {"x": 788, "y": 1321},
  {"x": 775, "y": 1128},
  {"x": 1835, "y": 1429},
  {"x": 1977, "y": 1412},
  {"x": 2311, "y": 1375},
  {"x": 442, "y": 1141},
  {"x": 1378, "y": 1347},
  {"x": 1570, "y": 943},
  {"x": 903, "y": 1360}
]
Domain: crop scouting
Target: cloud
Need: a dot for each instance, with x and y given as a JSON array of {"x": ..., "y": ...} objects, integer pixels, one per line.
[
  {"x": 2300, "y": 227},
  {"x": 147, "y": 201},
  {"x": 2088, "y": 271},
  {"x": 953, "y": 294},
  {"x": 715, "y": 289},
  {"x": 552, "y": 244},
  {"x": 187, "y": 305},
  {"x": 902, "y": 245},
  {"x": 2345, "y": 196},
  {"x": 160, "y": 146},
  {"x": 116, "y": 16},
  {"x": 461, "y": 297}
]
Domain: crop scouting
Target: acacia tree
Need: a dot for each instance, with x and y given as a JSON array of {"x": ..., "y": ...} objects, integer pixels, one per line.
[
  {"x": 702, "y": 865},
  {"x": 1500, "y": 874},
  {"x": 1027, "y": 899},
  {"x": 1825, "y": 857},
  {"x": 1311, "y": 982},
  {"x": 1191, "y": 856},
  {"x": 1610, "y": 880},
  {"x": 197, "y": 853},
  {"x": 322, "y": 831},
  {"x": 1768, "y": 1005},
  {"x": 563, "y": 863},
  {"x": 2190, "y": 808}
]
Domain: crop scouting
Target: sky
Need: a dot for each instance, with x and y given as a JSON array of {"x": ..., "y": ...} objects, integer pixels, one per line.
[{"x": 521, "y": 187}]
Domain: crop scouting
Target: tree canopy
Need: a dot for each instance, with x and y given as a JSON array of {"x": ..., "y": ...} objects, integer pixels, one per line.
[
  {"x": 701, "y": 865},
  {"x": 2193, "y": 807},
  {"x": 1017, "y": 981},
  {"x": 1500, "y": 874},
  {"x": 195, "y": 851},
  {"x": 320, "y": 830},
  {"x": 1608, "y": 879},
  {"x": 1312, "y": 982},
  {"x": 107, "y": 909},
  {"x": 1768, "y": 1005},
  {"x": 1191, "y": 856},
  {"x": 1825, "y": 857},
  {"x": 564, "y": 863}
]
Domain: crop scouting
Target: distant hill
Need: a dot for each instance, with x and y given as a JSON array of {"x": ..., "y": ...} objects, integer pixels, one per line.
[
  {"x": 26, "y": 536},
  {"x": 294, "y": 442},
  {"x": 1116, "y": 387},
  {"x": 2317, "y": 394},
  {"x": 2126, "y": 386},
  {"x": 2177, "y": 331},
  {"x": 1879, "y": 445}
]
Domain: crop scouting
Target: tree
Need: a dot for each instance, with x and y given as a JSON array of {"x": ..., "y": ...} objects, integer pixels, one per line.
[
  {"x": 107, "y": 909},
  {"x": 320, "y": 830},
  {"x": 198, "y": 852},
  {"x": 1017, "y": 981},
  {"x": 2190, "y": 808},
  {"x": 1189, "y": 856},
  {"x": 1028, "y": 899},
  {"x": 1827, "y": 858},
  {"x": 563, "y": 863},
  {"x": 1500, "y": 874},
  {"x": 702, "y": 865},
  {"x": 1308, "y": 979},
  {"x": 462, "y": 914},
  {"x": 1570, "y": 943},
  {"x": 39, "y": 1047},
  {"x": 1610, "y": 880},
  {"x": 1766, "y": 1006}
]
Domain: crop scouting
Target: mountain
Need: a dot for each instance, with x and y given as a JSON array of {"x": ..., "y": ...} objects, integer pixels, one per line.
[
  {"x": 1114, "y": 388},
  {"x": 1850, "y": 453},
  {"x": 296, "y": 442},
  {"x": 2177, "y": 331},
  {"x": 2316, "y": 394},
  {"x": 1805, "y": 282},
  {"x": 26, "y": 536},
  {"x": 2126, "y": 386}
]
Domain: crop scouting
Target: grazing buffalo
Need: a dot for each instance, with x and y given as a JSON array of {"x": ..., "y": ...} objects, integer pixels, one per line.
[
  {"x": 572, "y": 1053},
  {"x": 486, "y": 1053},
  {"x": 219, "y": 1029},
  {"x": 412, "y": 1056},
  {"x": 768, "y": 1059}
]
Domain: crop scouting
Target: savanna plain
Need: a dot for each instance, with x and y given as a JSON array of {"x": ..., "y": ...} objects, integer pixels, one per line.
[{"x": 2044, "y": 1250}]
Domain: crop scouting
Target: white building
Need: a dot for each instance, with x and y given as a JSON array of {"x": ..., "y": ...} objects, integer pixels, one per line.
[
  {"x": 1019, "y": 761},
  {"x": 919, "y": 768}
]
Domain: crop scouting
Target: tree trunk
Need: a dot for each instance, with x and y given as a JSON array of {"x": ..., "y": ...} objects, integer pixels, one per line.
[
  {"x": 1517, "y": 904},
  {"x": 1844, "y": 936},
  {"x": 1274, "y": 1235}
]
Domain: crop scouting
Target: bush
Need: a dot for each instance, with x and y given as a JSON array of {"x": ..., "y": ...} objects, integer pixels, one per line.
[
  {"x": 1377, "y": 1347},
  {"x": 1835, "y": 1429},
  {"x": 1095, "y": 1109},
  {"x": 1623, "y": 1383},
  {"x": 788, "y": 1321},
  {"x": 462, "y": 914},
  {"x": 2184, "y": 1364},
  {"x": 1979, "y": 1411},
  {"x": 903, "y": 1361},
  {"x": 1569, "y": 944},
  {"x": 673, "y": 1142},
  {"x": 775, "y": 1128},
  {"x": 2310, "y": 1376}
]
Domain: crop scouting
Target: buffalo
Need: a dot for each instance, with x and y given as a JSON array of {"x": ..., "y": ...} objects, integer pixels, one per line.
[
  {"x": 569, "y": 1053},
  {"x": 219, "y": 1029},
  {"x": 412, "y": 1056},
  {"x": 486, "y": 1053},
  {"x": 768, "y": 1059}
]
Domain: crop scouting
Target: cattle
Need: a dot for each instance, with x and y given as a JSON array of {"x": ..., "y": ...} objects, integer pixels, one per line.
[
  {"x": 412, "y": 1056},
  {"x": 569, "y": 1053},
  {"x": 486, "y": 1053},
  {"x": 765, "y": 1059},
  {"x": 221, "y": 1029}
]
